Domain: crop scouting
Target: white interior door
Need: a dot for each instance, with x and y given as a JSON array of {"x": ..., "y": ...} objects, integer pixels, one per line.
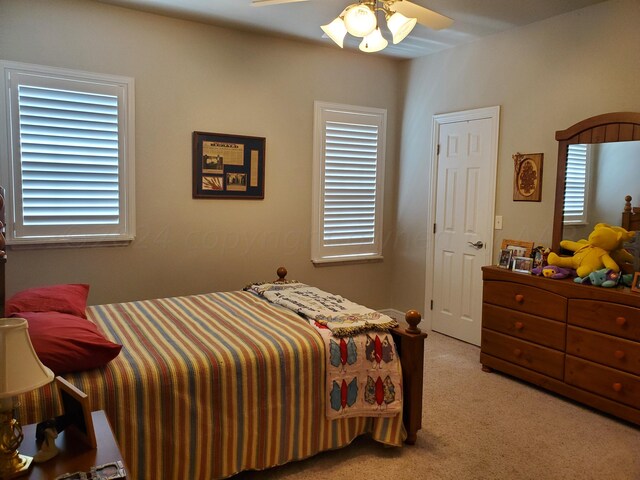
[{"x": 463, "y": 230}]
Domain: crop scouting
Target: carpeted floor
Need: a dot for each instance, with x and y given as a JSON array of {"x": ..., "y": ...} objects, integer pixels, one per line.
[{"x": 480, "y": 426}]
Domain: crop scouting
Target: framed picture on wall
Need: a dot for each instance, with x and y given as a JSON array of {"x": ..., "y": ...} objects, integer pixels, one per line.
[
  {"x": 527, "y": 177},
  {"x": 228, "y": 166}
]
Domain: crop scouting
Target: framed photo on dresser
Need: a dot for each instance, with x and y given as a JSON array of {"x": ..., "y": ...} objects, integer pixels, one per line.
[
  {"x": 505, "y": 258},
  {"x": 635, "y": 284},
  {"x": 522, "y": 264}
]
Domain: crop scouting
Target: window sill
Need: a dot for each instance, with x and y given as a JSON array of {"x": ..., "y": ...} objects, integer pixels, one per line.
[
  {"x": 43, "y": 246},
  {"x": 329, "y": 262}
]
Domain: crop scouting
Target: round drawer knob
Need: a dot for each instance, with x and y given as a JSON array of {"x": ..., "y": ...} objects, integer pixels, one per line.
[
  {"x": 619, "y": 354},
  {"x": 621, "y": 321},
  {"x": 519, "y": 298},
  {"x": 519, "y": 325},
  {"x": 517, "y": 353},
  {"x": 617, "y": 387}
]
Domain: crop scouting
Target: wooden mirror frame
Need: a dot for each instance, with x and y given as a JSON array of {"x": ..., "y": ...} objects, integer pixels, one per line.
[{"x": 606, "y": 128}]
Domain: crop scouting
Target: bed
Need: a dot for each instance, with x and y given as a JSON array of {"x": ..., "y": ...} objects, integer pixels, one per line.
[{"x": 209, "y": 385}]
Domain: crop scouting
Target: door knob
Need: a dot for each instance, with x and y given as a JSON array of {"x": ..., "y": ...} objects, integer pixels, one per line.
[{"x": 478, "y": 245}]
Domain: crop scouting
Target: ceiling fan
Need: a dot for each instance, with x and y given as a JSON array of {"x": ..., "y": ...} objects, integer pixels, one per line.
[{"x": 360, "y": 19}]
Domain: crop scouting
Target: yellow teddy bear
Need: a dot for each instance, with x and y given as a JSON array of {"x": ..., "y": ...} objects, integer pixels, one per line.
[
  {"x": 618, "y": 254},
  {"x": 592, "y": 255}
]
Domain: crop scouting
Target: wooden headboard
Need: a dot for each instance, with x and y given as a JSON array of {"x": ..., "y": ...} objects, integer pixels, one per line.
[{"x": 630, "y": 215}]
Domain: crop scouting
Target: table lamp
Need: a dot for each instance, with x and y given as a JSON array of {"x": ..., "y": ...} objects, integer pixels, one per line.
[{"x": 20, "y": 371}]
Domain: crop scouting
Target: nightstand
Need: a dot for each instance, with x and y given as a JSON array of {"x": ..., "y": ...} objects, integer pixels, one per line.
[{"x": 74, "y": 455}]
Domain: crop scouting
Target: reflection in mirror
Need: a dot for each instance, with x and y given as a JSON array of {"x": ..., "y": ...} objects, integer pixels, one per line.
[{"x": 598, "y": 177}]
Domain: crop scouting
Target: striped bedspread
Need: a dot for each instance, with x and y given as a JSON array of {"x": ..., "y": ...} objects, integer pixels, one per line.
[{"x": 210, "y": 385}]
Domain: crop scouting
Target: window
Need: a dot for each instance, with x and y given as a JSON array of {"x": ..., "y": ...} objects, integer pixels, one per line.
[
  {"x": 68, "y": 166},
  {"x": 576, "y": 189},
  {"x": 349, "y": 145}
]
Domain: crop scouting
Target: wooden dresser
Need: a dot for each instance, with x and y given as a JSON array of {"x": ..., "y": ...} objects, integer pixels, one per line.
[{"x": 580, "y": 341}]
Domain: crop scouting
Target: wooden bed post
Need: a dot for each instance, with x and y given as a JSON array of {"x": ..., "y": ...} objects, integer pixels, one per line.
[{"x": 410, "y": 344}]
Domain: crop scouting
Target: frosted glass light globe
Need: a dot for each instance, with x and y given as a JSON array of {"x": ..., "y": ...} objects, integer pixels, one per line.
[{"x": 360, "y": 20}]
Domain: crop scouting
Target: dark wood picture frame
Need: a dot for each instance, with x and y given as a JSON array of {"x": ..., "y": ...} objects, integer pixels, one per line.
[
  {"x": 228, "y": 166},
  {"x": 635, "y": 284},
  {"x": 527, "y": 177},
  {"x": 75, "y": 404},
  {"x": 505, "y": 258}
]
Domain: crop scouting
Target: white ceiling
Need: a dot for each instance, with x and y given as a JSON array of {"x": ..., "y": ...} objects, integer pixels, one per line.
[{"x": 472, "y": 18}]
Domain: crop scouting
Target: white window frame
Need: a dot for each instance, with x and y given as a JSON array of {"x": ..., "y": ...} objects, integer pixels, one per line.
[
  {"x": 14, "y": 74},
  {"x": 322, "y": 252},
  {"x": 583, "y": 217}
]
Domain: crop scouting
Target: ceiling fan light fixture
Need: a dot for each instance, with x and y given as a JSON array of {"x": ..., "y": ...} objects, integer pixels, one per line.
[
  {"x": 360, "y": 20},
  {"x": 336, "y": 31},
  {"x": 374, "y": 42},
  {"x": 400, "y": 26}
]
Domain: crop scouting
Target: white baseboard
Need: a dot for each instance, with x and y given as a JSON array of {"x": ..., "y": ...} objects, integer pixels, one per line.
[
  {"x": 399, "y": 316},
  {"x": 393, "y": 313}
]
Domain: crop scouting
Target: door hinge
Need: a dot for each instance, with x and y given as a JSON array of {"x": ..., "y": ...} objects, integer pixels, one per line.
[
  {"x": 434, "y": 228},
  {"x": 431, "y": 305},
  {"x": 438, "y": 150}
]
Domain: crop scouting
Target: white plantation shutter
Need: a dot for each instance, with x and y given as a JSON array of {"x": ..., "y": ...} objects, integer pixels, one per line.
[
  {"x": 576, "y": 185},
  {"x": 71, "y": 165},
  {"x": 348, "y": 181}
]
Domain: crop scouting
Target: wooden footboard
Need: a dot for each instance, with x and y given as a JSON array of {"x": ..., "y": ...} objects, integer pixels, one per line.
[{"x": 410, "y": 345}]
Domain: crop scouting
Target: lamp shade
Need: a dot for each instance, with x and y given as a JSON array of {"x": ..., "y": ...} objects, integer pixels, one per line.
[
  {"x": 400, "y": 26},
  {"x": 336, "y": 31},
  {"x": 20, "y": 368},
  {"x": 374, "y": 42},
  {"x": 360, "y": 20}
]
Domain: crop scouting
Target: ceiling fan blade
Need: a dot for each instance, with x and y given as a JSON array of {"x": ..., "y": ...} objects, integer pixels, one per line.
[
  {"x": 425, "y": 17},
  {"x": 264, "y": 3}
]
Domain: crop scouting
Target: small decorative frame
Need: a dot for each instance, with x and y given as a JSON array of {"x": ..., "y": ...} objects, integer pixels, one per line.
[
  {"x": 505, "y": 258},
  {"x": 75, "y": 404},
  {"x": 228, "y": 166},
  {"x": 518, "y": 245},
  {"x": 527, "y": 177},
  {"x": 635, "y": 284},
  {"x": 522, "y": 264}
]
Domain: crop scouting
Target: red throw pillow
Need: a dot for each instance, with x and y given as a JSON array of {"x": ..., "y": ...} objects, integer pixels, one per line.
[
  {"x": 66, "y": 343},
  {"x": 71, "y": 299}
]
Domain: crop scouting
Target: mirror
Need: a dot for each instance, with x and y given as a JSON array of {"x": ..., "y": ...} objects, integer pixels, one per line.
[
  {"x": 612, "y": 140},
  {"x": 611, "y": 171}
]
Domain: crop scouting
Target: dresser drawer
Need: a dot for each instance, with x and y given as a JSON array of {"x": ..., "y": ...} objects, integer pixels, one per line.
[
  {"x": 619, "y": 320},
  {"x": 549, "y": 333},
  {"x": 614, "y": 384},
  {"x": 525, "y": 298},
  {"x": 598, "y": 347},
  {"x": 526, "y": 354}
]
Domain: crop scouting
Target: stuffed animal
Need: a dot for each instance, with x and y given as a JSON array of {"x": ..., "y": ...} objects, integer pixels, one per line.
[
  {"x": 619, "y": 254},
  {"x": 553, "y": 271},
  {"x": 605, "y": 277},
  {"x": 591, "y": 256}
]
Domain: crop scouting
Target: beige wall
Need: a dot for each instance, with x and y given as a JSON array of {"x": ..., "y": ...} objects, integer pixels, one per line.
[
  {"x": 546, "y": 77},
  {"x": 192, "y": 76},
  {"x": 189, "y": 77}
]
